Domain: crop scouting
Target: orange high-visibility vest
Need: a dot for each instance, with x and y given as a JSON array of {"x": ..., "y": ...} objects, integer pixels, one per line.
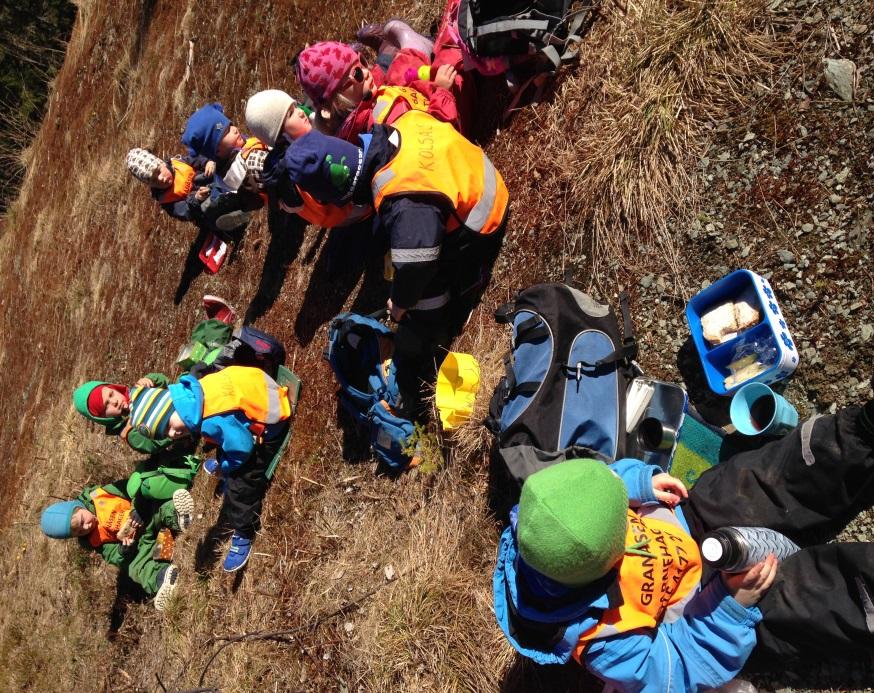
[
  {"x": 649, "y": 585},
  {"x": 112, "y": 514},
  {"x": 329, "y": 216},
  {"x": 248, "y": 390},
  {"x": 387, "y": 96},
  {"x": 434, "y": 158},
  {"x": 183, "y": 182}
]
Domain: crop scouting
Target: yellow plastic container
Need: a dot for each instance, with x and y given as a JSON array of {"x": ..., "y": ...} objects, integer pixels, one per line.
[{"x": 457, "y": 386}]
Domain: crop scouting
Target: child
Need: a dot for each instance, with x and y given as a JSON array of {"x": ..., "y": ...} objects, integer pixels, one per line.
[
  {"x": 609, "y": 572},
  {"x": 277, "y": 119},
  {"x": 211, "y": 134},
  {"x": 106, "y": 521},
  {"x": 350, "y": 98},
  {"x": 242, "y": 411},
  {"x": 181, "y": 186},
  {"x": 108, "y": 404},
  {"x": 444, "y": 207}
]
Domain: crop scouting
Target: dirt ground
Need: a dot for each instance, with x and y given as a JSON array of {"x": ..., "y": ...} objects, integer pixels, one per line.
[{"x": 364, "y": 582}]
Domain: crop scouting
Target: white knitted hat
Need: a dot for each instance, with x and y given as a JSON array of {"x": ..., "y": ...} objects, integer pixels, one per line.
[
  {"x": 265, "y": 114},
  {"x": 142, "y": 164}
]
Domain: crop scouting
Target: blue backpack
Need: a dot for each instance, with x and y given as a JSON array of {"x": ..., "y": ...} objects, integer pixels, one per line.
[
  {"x": 567, "y": 374},
  {"x": 368, "y": 387}
]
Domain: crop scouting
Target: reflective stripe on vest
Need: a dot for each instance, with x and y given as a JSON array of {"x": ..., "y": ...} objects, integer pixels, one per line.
[
  {"x": 432, "y": 303},
  {"x": 247, "y": 390},
  {"x": 650, "y": 585},
  {"x": 388, "y": 96},
  {"x": 433, "y": 158},
  {"x": 112, "y": 513},
  {"x": 183, "y": 182}
]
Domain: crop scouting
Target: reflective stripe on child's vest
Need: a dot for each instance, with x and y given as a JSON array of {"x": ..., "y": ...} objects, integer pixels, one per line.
[
  {"x": 247, "y": 390},
  {"x": 183, "y": 182},
  {"x": 650, "y": 585},
  {"x": 112, "y": 513},
  {"x": 434, "y": 158},
  {"x": 388, "y": 96}
]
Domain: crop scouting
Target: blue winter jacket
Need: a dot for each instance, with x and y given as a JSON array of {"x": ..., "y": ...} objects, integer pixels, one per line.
[
  {"x": 704, "y": 648},
  {"x": 230, "y": 431}
]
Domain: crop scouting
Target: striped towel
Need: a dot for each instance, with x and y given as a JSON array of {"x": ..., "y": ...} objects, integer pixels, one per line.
[{"x": 697, "y": 450}]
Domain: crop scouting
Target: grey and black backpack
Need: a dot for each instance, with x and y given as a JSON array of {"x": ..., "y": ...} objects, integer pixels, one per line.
[{"x": 567, "y": 374}]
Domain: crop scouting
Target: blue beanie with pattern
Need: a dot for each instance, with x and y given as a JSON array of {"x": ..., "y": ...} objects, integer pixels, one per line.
[
  {"x": 55, "y": 519},
  {"x": 204, "y": 130}
]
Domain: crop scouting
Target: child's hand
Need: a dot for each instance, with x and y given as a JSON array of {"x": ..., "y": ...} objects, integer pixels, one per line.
[
  {"x": 669, "y": 489},
  {"x": 145, "y": 382},
  {"x": 289, "y": 210},
  {"x": 750, "y": 586},
  {"x": 202, "y": 193},
  {"x": 209, "y": 169},
  {"x": 445, "y": 76}
]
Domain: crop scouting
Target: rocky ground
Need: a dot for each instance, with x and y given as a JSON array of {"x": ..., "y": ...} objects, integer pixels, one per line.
[{"x": 786, "y": 191}]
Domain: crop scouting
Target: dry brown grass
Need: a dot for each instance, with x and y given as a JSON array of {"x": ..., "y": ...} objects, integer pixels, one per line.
[{"x": 625, "y": 129}]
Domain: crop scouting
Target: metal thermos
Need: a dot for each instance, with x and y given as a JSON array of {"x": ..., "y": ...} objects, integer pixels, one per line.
[{"x": 734, "y": 549}]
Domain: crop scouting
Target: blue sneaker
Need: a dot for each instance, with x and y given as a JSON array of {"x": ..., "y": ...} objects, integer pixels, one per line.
[
  {"x": 238, "y": 554},
  {"x": 211, "y": 466}
]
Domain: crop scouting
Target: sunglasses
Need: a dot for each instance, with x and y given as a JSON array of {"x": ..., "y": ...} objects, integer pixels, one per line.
[{"x": 357, "y": 74}]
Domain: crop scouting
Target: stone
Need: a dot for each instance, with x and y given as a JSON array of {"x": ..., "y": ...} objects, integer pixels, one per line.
[
  {"x": 785, "y": 256},
  {"x": 841, "y": 76}
]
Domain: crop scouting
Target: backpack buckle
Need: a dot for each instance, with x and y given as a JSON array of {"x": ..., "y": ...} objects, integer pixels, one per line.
[{"x": 579, "y": 371}]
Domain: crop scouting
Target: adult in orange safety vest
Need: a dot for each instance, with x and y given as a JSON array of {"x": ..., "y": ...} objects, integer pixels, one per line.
[{"x": 444, "y": 207}]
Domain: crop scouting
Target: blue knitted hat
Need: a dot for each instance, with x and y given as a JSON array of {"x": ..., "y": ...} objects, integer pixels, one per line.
[
  {"x": 150, "y": 411},
  {"x": 55, "y": 519},
  {"x": 204, "y": 130},
  {"x": 326, "y": 167}
]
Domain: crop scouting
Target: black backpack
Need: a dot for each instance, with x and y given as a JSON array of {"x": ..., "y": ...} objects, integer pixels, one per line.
[
  {"x": 494, "y": 28},
  {"x": 563, "y": 394}
]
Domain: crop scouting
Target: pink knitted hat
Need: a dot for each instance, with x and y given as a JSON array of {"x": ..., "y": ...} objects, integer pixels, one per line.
[{"x": 323, "y": 67}]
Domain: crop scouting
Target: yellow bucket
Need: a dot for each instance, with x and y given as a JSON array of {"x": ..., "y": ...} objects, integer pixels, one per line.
[{"x": 457, "y": 385}]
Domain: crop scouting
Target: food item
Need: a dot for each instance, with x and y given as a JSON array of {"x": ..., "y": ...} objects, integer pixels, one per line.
[
  {"x": 744, "y": 369},
  {"x": 726, "y": 320}
]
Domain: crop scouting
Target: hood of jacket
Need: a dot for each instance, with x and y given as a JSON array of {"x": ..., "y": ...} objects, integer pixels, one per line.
[
  {"x": 187, "y": 396},
  {"x": 541, "y": 618}
]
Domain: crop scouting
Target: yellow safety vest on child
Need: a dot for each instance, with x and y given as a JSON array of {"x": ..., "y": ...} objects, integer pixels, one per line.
[
  {"x": 433, "y": 157},
  {"x": 387, "y": 96},
  {"x": 248, "y": 390}
]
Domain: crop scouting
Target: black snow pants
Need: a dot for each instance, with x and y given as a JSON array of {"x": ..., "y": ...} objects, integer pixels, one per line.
[{"x": 807, "y": 485}]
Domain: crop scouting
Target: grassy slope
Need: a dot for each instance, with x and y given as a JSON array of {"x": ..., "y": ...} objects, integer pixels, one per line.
[{"x": 89, "y": 271}]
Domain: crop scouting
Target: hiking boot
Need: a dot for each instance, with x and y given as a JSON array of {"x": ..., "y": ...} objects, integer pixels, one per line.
[
  {"x": 238, "y": 554},
  {"x": 167, "y": 584},
  {"x": 217, "y": 308},
  {"x": 232, "y": 221},
  {"x": 399, "y": 33},
  {"x": 184, "y": 505}
]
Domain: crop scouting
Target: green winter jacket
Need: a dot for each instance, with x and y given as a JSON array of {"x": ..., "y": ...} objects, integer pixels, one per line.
[{"x": 115, "y": 425}]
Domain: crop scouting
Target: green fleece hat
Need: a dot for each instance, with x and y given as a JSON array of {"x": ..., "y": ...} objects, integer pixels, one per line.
[
  {"x": 572, "y": 521},
  {"x": 80, "y": 401}
]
